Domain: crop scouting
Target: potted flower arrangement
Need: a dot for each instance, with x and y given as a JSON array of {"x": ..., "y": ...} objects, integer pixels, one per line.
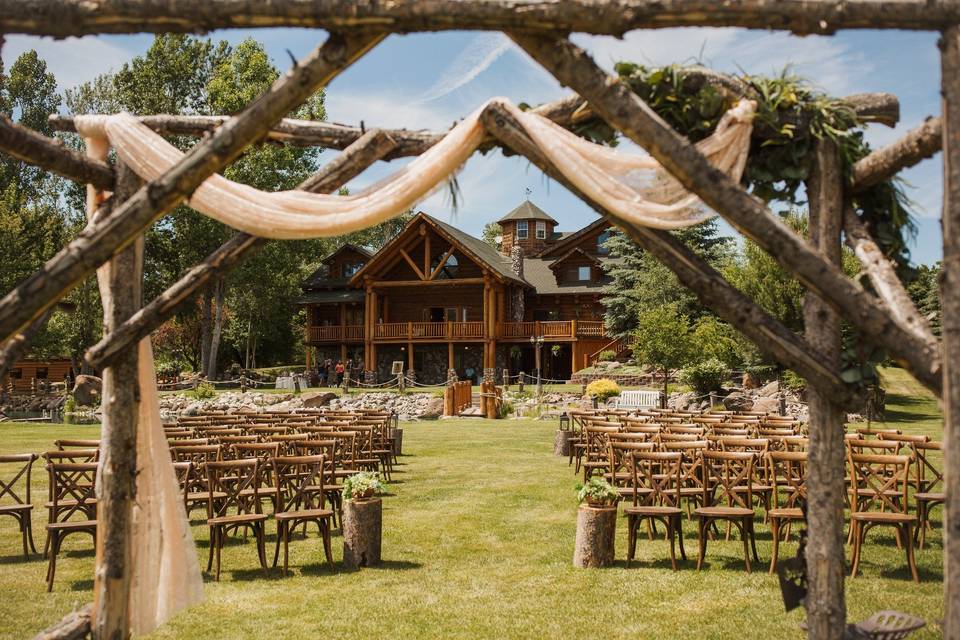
[
  {"x": 597, "y": 492},
  {"x": 362, "y": 486}
]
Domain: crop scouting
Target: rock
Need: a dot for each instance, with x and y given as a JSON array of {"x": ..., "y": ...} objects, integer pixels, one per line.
[
  {"x": 433, "y": 409},
  {"x": 613, "y": 365},
  {"x": 749, "y": 382},
  {"x": 766, "y": 404},
  {"x": 680, "y": 400},
  {"x": 87, "y": 390},
  {"x": 738, "y": 401},
  {"x": 769, "y": 389},
  {"x": 317, "y": 398}
]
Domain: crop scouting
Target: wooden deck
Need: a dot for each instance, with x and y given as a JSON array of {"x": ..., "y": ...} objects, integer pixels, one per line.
[{"x": 553, "y": 330}]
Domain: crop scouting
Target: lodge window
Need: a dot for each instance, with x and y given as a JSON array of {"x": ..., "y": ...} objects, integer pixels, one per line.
[
  {"x": 450, "y": 268},
  {"x": 602, "y": 241},
  {"x": 352, "y": 268},
  {"x": 16, "y": 374},
  {"x": 41, "y": 373},
  {"x": 541, "y": 230},
  {"x": 583, "y": 274},
  {"x": 522, "y": 230}
]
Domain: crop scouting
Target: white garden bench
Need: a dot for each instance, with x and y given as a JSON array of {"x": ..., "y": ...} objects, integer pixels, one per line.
[{"x": 637, "y": 400}]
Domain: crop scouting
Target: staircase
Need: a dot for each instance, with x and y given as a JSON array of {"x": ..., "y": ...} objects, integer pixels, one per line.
[{"x": 617, "y": 345}]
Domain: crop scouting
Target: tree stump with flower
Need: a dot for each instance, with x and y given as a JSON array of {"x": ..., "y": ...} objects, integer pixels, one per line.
[
  {"x": 362, "y": 520},
  {"x": 596, "y": 524}
]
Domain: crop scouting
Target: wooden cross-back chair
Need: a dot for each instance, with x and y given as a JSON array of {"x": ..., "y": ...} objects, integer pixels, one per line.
[
  {"x": 184, "y": 473},
  {"x": 72, "y": 507},
  {"x": 300, "y": 501},
  {"x": 233, "y": 502},
  {"x": 197, "y": 491},
  {"x": 619, "y": 472},
  {"x": 655, "y": 494},
  {"x": 878, "y": 497},
  {"x": 727, "y": 478},
  {"x": 929, "y": 491},
  {"x": 264, "y": 452},
  {"x": 761, "y": 484},
  {"x": 15, "y": 471},
  {"x": 691, "y": 483},
  {"x": 331, "y": 487},
  {"x": 788, "y": 472},
  {"x": 596, "y": 453}
]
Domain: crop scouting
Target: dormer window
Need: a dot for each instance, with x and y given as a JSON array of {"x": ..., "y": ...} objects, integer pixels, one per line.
[
  {"x": 602, "y": 241},
  {"x": 352, "y": 268},
  {"x": 541, "y": 230},
  {"x": 523, "y": 230},
  {"x": 583, "y": 274}
]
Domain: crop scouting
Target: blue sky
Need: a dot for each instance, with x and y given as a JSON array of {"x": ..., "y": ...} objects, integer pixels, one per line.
[{"x": 430, "y": 80}]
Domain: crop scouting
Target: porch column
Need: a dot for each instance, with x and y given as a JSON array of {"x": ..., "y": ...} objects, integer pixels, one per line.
[{"x": 449, "y": 355}]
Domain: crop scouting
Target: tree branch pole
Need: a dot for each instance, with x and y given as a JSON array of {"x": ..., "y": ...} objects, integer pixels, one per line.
[
  {"x": 692, "y": 271},
  {"x": 62, "y": 18},
  {"x": 825, "y": 552},
  {"x": 619, "y": 106},
  {"x": 361, "y": 154},
  {"x": 99, "y": 241},
  {"x": 34, "y": 148},
  {"x": 950, "y": 305},
  {"x": 117, "y": 481},
  {"x": 918, "y": 144}
]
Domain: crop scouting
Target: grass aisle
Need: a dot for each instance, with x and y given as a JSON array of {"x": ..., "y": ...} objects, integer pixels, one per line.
[{"x": 478, "y": 542}]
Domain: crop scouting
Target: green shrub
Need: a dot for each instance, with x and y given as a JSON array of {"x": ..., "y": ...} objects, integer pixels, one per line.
[
  {"x": 506, "y": 408},
  {"x": 705, "y": 376},
  {"x": 70, "y": 405},
  {"x": 603, "y": 389},
  {"x": 203, "y": 391},
  {"x": 792, "y": 380},
  {"x": 607, "y": 356},
  {"x": 596, "y": 490},
  {"x": 762, "y": 373}
]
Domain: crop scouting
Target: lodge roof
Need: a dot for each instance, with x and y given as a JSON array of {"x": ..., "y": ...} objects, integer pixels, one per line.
[
  {"x": 326, "y": 297},
  {"x": 493, "y": 258},
  {"x": 527, "y": 211},
  {"x": 541, "y": 277}
]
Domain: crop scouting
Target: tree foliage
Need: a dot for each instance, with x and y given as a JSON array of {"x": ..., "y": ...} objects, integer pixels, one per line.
[{"x": 663, "y": 339}]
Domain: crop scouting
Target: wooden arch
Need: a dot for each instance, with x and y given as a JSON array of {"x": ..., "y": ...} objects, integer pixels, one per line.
[{"x": 885, "y": 317}]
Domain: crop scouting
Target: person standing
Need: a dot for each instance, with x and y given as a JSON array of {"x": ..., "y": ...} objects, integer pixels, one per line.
[{"x": 339, "y": 370}]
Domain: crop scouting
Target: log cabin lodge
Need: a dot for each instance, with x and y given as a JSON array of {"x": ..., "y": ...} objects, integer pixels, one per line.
[{"x": 446, "y": 303}]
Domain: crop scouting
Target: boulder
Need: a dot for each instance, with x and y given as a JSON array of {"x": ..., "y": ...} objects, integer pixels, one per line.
[
  {"x": 769, "y": 404},
  {"x": 317, "y": 398},
  {"x": 749, "y": 382},
  {"x": 433, "y": 409},
  {"x": 613, "y": 365},
  {"x": 738, "y": 401},
  {"x": 769, "y": 389},
  {"x": 87, "y": 390}
]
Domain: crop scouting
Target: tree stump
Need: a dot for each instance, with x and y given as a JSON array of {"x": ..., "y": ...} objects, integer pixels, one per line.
[
  {"x": 362, "y": 525},
  {"x": 561, "y": 442},
  {"x": 596, "y": 532},
  {"x": 397, "y": 435}
]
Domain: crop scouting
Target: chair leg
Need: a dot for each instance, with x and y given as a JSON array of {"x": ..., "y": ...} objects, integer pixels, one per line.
[
  {"x": 673, "y": 541},
  {"x": 217, "y": 552},
  {"x": 911, "y": 560},
  {"x": 54, "y": 540},
  {"x": 281, "y": 525},
  {"x": 855, "y": 533},
  {"x": 24, "y": 522},
  {"x": 327, "y": 547},
  {"x": 632, "y": 524},
  {"x": 213, "y": 543},
  {"x": 33, "y": 547},
  {"x": 258, "y": 531},
  {"x": 746, "y": 543},
  {"x": 702, "y": 539},
  {"x": 753, "y": 542},
  {"x": 678, "y": 525},
  {"x": 921, "y": 531},
  {"x": 775, "y": 531}
]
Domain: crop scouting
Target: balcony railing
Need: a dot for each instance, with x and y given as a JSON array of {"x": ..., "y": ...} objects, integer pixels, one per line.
[
  {"x": 549, "y": 329},
  {"x": 335, "y": 333}
]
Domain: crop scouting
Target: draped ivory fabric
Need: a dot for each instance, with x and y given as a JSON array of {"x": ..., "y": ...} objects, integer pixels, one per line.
[
  {"x": 165, "y": 575},
  {"x": 633, "y": 186}
]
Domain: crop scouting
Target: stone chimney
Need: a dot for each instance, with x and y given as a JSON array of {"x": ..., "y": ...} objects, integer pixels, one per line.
[{"x": 516, "y": 265}]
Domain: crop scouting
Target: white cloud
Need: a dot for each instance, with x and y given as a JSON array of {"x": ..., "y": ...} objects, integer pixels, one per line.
[
  {"x": 73, "y": 61},
  {"x": 389, "y": 110},
  {"x": 475, "y": 58}
]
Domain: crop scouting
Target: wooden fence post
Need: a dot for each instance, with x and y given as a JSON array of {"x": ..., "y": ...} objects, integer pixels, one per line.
[
  {"x": 950, "y": 314},
  {"x": 825, "y": 552},
  {"x": 117, "y": 481}
]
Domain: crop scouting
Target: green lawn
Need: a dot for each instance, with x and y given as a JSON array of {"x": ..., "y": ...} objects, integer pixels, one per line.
[{"x": 478, "y": 542}]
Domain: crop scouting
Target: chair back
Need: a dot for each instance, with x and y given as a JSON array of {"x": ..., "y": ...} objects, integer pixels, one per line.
[
  {"x": 299, "y": 482},
  {"x": 234, "y": 485},
  {"x": 789, "y": 477},
  {"x": 76, "y": 444},
  {"x": 929, "y": 475},
  {"x": 13, "y": 468},
  {"x": 727, "y": 478},
  {"x": 878, "y": 482},
  {"x": 657, "y": 477},
  {"x": 72, "y": 489}
]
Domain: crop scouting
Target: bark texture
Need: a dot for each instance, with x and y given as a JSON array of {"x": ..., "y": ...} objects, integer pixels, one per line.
[
  {"x": 825, "y": 553},
  {"x": 360, "y": 155},
  {"x": 397, "y": 435},
  {"x": 619, "y": 106},
  {"x": 917, "y": 144},
  {"x": 117, "y": 482},
  {"x": 99, "y": 241},
  {"x": 62, "y": 18},
  {"x": 362, "y": 529},
  {"x": 950, "y": 305},
  {"x": 74, "y": 626},
  {"x": 33, "y": 148},
  {"x": 711, "y": 287},
  {"x": 596, "y": 534},
  {"x": 561, "y": 442}
]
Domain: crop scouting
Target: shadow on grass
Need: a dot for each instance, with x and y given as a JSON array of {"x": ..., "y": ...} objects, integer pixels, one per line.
[
  {"x": 385, "y": 565},
  {"x": 20, "y": 559},
  {"x": 82, "y": 585}
]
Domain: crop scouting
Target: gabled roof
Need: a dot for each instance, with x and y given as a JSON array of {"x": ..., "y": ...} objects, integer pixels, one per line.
[
  {"x": 474, "y": 248},
  {"x": 576, "y": 250},
  {"x": 538, "y": 273},
  {"x": 321, "y": 277},
  {"x": 366, "y": 253},
  {"x": 527, "y": 211},
  {"x": 572, "y": 238}
]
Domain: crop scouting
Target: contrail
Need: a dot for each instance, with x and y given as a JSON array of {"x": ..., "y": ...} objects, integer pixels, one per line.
[{"x": 476, "y": 58}]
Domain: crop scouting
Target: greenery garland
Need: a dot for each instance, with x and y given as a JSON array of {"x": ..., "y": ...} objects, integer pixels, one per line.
[{"x": 791, "y": 117}]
